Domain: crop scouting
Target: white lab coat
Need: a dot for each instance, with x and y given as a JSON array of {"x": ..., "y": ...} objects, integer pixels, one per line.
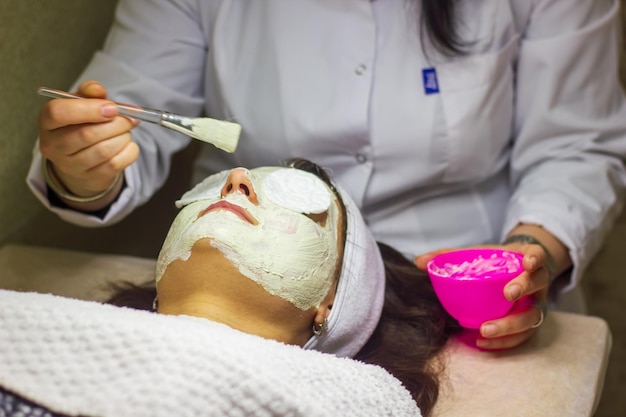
[{"x": 341, "y": 82}]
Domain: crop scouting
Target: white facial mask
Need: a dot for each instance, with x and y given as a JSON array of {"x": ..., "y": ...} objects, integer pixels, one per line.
[{"x": 289, "y": 254}]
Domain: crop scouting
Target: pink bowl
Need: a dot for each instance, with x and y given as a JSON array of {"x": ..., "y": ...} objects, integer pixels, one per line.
[{"x": 470, "y": 283}]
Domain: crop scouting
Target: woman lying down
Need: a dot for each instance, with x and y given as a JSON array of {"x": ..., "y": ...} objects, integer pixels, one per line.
[{"x": 275, "y": 252}]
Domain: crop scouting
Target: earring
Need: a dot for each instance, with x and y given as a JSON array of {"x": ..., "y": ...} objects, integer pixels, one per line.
[
  {"x": 321, "y": 328},
  {"x": 155, "y": 304}
]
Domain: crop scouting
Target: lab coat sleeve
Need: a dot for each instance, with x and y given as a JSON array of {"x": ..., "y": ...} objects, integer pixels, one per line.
[
  {"x": 567, "y": 168},
  {"x": 154, "y": 56}
]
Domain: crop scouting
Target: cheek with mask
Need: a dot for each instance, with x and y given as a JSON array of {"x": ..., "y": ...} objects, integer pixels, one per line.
[{"x": 278, "y": 246}]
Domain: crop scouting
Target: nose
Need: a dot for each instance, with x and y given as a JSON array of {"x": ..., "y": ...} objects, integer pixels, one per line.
[{"x": 238, "y": 181}]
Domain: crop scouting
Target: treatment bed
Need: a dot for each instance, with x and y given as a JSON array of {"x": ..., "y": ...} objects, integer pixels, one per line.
[{"x": 560, "y": 372}]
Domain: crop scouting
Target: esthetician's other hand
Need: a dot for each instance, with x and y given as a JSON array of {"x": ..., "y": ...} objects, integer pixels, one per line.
[
  {"x": 87, "y": 144},
  {"x": 529, "y": 289}
]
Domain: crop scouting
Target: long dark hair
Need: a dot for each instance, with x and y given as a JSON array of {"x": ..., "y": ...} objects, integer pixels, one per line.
[
  {"x": 440, "y": 27},
  {"x": 412, "y": 331}
]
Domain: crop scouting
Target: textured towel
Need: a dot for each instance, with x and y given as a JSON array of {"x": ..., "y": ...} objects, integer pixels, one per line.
[{"x": 85, "y": 358}]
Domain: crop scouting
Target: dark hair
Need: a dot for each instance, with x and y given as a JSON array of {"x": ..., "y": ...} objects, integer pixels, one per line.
[
  {"x": 139, "y": 297},
  {"x": 412, "y": 330},
  {"x": 439, "y": 24}
]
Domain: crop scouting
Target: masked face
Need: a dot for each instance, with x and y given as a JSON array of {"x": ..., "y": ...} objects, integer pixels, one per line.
[{"x": 278, "y": 226}]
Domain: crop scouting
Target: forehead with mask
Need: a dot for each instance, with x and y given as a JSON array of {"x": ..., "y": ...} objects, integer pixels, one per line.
[{"x": 279, "y": 227}]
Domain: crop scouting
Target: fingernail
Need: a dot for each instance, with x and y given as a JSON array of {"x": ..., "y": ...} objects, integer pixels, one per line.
[
  {"x": 515, "y": 292},
  {"x": 533, "y": 261},
  {"x": 108, "y": 110},
  {"x": 483, "y": 343},
  {"x": 489, "y": 330},
  {"x": 88, "y": 85}
]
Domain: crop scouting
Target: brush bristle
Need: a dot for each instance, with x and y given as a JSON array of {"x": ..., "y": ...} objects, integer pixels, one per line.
[{"x": 220, "y": 133}]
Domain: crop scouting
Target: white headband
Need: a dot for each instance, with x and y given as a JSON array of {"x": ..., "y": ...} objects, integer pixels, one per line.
[{"x": 360, "y": 292}]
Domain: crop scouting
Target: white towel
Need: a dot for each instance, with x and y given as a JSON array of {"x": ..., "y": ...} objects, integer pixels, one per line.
[{"x": 85, "y": 358}]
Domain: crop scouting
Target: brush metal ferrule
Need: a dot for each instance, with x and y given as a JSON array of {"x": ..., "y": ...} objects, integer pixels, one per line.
[{"x": 183, "y": 122}]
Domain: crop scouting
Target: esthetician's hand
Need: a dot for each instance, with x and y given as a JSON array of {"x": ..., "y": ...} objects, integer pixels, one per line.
[
  {"x": 529, "y": 289},
  {"x": 87, "y": 144}
]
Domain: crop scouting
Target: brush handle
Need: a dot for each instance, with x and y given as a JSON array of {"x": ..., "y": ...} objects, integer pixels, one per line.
[
  {"x": 220, "y": 133},
  {"x": 136, "y": 112}
]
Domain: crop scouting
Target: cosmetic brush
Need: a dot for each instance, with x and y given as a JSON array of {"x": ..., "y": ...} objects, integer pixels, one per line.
[{"x": 220, "y": 133}]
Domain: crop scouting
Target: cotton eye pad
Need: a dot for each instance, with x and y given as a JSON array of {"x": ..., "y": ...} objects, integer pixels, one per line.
[
  {"x": 210, "y": 187},
  {"x": 296, "y": 190}
]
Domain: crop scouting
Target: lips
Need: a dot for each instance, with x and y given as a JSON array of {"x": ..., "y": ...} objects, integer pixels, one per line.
[{"x": 241, "y": 212}]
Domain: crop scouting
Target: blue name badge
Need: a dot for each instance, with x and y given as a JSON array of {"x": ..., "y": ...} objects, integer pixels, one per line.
[{"x": 429, "y": 77}]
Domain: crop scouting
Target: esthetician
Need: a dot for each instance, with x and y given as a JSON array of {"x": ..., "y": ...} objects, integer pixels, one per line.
[{"x": 450, "y": 123}]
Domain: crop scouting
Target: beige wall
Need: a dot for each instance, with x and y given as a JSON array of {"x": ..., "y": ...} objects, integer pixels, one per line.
[
  {"x": 47, "y": 42},
  {"x": 623, "y": 67}
]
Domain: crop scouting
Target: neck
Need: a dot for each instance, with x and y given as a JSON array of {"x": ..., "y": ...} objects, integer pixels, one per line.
[
  {"x": 241, "y": 317},
  {"x": 224, "y": 295}
]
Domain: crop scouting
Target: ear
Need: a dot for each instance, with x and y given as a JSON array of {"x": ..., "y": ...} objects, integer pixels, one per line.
[
  {"x": 322, "y": 314},
  {"x": 323, "y": 311}
]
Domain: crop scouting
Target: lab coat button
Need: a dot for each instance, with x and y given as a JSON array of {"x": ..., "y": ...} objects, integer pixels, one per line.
[
  {"x": 361, "y": 158},
  {"x": 359, "y": 70}
]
